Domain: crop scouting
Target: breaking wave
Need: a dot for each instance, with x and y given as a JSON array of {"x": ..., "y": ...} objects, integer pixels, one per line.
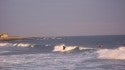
[
  {"x": 118, "y": 53},
  {"x": 64, "y": 48},
  {"x": 16, "y": 45},
  {"x": 4, "y": 44},
  {"x": 100, "y": 53}
]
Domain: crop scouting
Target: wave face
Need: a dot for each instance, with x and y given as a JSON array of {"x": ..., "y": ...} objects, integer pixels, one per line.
[{"x": 100, "y": 47}]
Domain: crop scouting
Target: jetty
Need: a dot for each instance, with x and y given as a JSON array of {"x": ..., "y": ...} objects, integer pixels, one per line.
[{"x": 6, "y": 37}]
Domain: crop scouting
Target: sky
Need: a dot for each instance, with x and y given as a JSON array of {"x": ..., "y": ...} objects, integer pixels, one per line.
[{"x": 62, "y": 17}]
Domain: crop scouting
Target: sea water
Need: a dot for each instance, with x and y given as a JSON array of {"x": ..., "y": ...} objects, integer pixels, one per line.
[{"x": 48, "y": 53}]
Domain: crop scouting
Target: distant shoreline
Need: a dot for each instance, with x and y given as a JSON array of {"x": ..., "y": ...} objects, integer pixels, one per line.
[
  {"x": 18, "y": 37},
  {"x": 6, "y": 37},
  {"x": 11, "y": 38}
]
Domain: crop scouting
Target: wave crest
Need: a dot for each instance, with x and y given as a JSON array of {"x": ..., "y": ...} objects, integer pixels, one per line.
[
  {"x": 60, "y": 48},
  {"x": 3, "y": 44},
  {"x": 64, "y": 48},
  {"x": 22, "y": 45},
  {"x": 118, "y": 53}
]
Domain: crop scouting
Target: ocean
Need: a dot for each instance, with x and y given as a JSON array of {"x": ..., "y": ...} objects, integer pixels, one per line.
[{"x": 105, "y": 52}]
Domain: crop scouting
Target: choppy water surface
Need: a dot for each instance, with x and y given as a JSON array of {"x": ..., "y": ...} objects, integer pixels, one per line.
[{"x": 80, "y": 53}]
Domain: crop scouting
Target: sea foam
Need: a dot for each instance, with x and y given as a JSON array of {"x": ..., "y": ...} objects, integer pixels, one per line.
[
  {"x": 118, "y": 53},
  {"x": 3, "y": 44},
  {"x": 60, "y": 48}
]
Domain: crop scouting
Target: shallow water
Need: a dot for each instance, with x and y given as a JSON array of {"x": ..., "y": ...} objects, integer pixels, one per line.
[{"x": 59, "y": 61}]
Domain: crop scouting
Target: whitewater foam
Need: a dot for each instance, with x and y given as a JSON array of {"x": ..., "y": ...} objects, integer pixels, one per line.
[
  {"x": 23, "y": 45},
  {"x": 118, "y": 53},
  {"x": 3, "y": 44},
  {"x": 60, "y": 48}
]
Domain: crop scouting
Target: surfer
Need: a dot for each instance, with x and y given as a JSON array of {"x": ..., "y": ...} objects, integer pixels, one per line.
[
  {"x": 64, "y": 47},
  {"x": 100, "y": 46}
]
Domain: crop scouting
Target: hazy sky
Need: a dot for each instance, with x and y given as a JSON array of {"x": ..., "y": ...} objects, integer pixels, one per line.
[{"x": 62, "y": 17}]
